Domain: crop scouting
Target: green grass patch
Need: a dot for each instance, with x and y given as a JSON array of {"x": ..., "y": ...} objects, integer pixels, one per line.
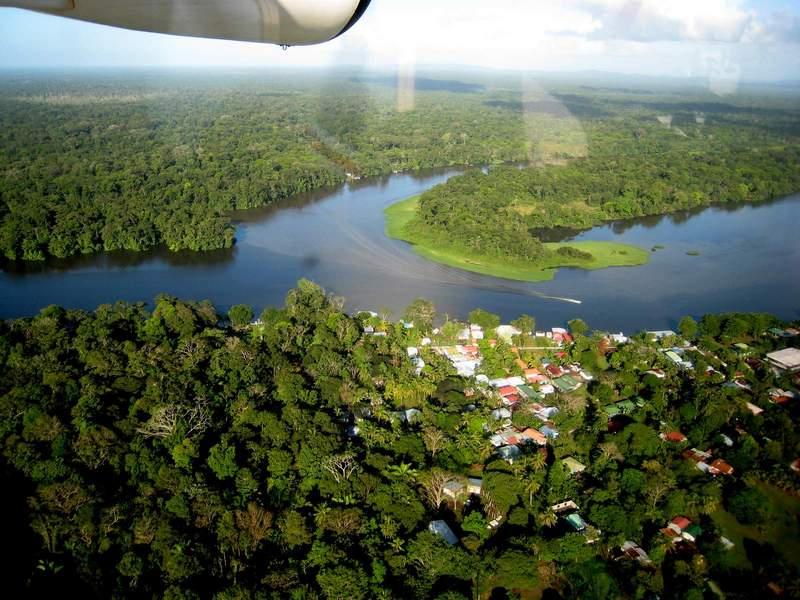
[
  {"x": 400, "y": 216},
  {"x": 780, "y": 529}
]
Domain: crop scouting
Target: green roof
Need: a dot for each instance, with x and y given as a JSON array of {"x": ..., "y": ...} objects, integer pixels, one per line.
[
  {"x": 565, "y": 383},
  {"x": 573, "y": 465},
  {"x": 612, "y": 410},
  {"x": 576, "y": 522},
  {"x": 694, "y": 530},
  {"x": 529, "y": 392}
]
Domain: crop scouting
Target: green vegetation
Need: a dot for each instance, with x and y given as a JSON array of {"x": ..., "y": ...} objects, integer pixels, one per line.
[
  {"x": 401, "y": 224},
  {"x": 180, "y": 454},
  {"x": 630, "y": 164},
  {"x": 693, "y": 253},
  {"x": 94, "y": 162}
]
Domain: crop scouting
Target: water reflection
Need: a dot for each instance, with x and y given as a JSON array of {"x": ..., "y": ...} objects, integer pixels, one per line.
[{"x": 749, "y": 260}]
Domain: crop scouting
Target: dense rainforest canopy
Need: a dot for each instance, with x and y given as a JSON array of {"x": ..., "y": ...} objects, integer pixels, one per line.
[
  {"x": 633, "y": 167},
  {"x": 100, "y": 162},
  {"x": 180, "y": 453},
  {"x": 97, "y": 162}
]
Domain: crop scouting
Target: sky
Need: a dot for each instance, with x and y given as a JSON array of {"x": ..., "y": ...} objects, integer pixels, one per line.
[{"x": 723, "y": 39}]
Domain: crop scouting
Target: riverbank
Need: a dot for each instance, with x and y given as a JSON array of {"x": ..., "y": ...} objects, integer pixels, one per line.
[{"x": 604, "y": 253}]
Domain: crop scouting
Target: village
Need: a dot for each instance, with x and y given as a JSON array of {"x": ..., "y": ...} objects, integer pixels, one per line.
[{"x": 531, "y": 408}]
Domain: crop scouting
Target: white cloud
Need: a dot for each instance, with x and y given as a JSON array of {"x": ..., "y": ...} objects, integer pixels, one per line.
[{"x": 675, "y": 20}]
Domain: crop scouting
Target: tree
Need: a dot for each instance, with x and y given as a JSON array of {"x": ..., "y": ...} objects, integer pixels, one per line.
[
  {"x": 547, "y": 519},
  {"x": 578, "y": 327},
  {"x": 434, "y": 439},
  {"x": 688, "y": 328},
  {"x": 525, "y": 323},
  {"x": 433, "y": 485},
  {"x": 341, "y": 466},
  {"x": 343, "y": 583},
  {"x": 222, "y": 460},
  {"x": 488, "y": 321},
  {"x": 748, "y": 506},
  {"x": 240, "y": 315},
  {"x": 421, "y": 312}
]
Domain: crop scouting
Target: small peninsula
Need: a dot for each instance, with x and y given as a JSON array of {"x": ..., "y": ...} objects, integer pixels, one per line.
[{"x": 402, "y": 223}]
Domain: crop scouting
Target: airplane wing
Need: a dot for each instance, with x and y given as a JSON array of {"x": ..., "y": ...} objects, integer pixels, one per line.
[{"x": 284, "y": 22}]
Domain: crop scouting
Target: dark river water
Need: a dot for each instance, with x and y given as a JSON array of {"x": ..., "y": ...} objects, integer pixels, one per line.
[{"x": 749, "y": 261}]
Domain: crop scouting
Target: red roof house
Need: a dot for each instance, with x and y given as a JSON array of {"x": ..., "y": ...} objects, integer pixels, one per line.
[
  {"x": 679, "y": 523},
  {"x": 535, "y": 436},
  {"x": 722, "y": 467}
]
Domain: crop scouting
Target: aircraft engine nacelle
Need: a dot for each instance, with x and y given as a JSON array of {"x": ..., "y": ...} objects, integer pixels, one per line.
[{"x": 284, "y": 22}]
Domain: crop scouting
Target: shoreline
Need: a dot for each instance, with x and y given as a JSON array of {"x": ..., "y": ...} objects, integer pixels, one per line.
[{"x": 606, "y": 254}]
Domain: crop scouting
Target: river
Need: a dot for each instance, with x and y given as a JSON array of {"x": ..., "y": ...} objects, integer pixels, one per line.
[{"x": 749, "y": 260}]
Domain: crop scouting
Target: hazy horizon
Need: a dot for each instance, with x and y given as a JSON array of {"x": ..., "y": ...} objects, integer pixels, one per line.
[{"x": 716, "y": 39}]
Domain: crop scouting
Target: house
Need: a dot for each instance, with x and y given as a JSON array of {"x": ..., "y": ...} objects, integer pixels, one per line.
[
  {"x": 544, "y": 412},
  {"x": 565, "y": 384},
  {"x": 509, "y": 453},
  {"x": 573, "y": 465},
  {"x": 787, "y": 360},
  {"x": 512, "y": 399},
  {"x": 549, "y": 432},
  {"x": 412, "y": 415},
  {"x": 675, "y": 437},
  {"x": 720, "y": 466},
  {"x": 678, "y": 360},
  {"x": 618, "y": 338},
  {"x": 696, "y": 455},
  {"x": 726, "y": 543},
  {"x": 554, "y": 370},
  {"x": 535, "y": 436},
  {"x": 529, "y": 393},
  {"x": 507, "y": 332},
  {"x": 575, "y": 521},
  {"x": 564, "y": 506},
  {"x": 692, "y": 533},
  {"x": 756, "y": 410},
  {"x": 782, "y": 397},
  {"x": 507, "y": 390},
  {"x": 547, "y": 389},
  {"x": 633, "y": 551},
  {"x": 412, "y": 351},
  {"x": 500, "y": 413},
  {"x": 474, "y": 486},
  {"x": 612, "y": 410},
  {"x": 531, "y": 373},
  {"x": 678, "y": 524},
  {"x": 443, "y": 530},
  {"x": 453, "y": 489},
  {"x": 658, "y": 373},
  {"x": 660, "y": 335}
]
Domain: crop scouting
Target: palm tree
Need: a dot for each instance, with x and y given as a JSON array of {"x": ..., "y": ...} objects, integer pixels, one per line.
[
  {"x": 547, "y": 519},
  {"x": 403, "y": 471},
  {"x": 531, "y": 487},
  {"x": 538, "y": 461}
]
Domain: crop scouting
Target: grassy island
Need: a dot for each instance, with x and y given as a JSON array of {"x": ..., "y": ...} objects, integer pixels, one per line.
[{"x": 402, "y": 223}]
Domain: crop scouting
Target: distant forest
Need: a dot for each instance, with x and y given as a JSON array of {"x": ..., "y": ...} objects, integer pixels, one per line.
[
  {"x": 92, "y": 162},
  {"x": 96, "y": 164}
]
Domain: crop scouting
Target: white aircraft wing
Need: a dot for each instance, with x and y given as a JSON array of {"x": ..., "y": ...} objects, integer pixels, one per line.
[{"x": 285, "y": 22}]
